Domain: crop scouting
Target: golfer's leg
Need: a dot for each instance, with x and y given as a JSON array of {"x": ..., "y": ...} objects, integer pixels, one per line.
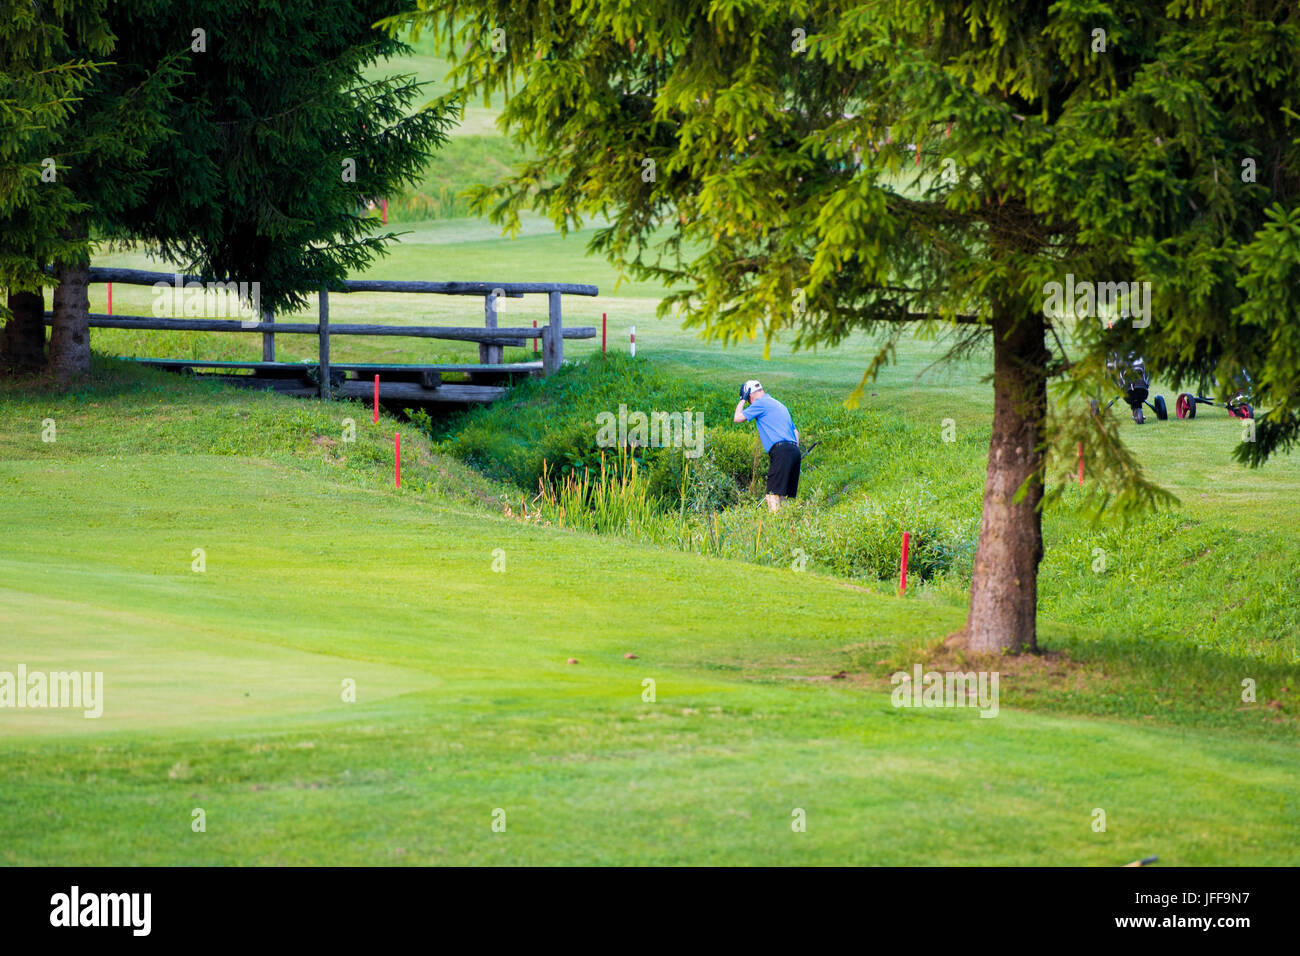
[{"x": 778, "y": 475}]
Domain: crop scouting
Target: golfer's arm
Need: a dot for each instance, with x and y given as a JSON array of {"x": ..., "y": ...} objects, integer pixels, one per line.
[{"x": 740, "y": 412}]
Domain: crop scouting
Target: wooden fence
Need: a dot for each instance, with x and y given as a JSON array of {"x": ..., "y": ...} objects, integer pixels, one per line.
[{"x": 409, "y": 382}]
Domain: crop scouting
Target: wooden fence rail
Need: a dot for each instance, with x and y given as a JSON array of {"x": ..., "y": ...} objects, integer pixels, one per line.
[{"x": 491, "y": 337}]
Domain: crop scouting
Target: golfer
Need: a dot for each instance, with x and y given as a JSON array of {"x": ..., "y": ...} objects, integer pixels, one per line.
[{"x": 780, "y": 440}]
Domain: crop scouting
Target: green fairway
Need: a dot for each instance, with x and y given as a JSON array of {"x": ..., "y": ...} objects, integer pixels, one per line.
[{"x": 224, "y": 689}]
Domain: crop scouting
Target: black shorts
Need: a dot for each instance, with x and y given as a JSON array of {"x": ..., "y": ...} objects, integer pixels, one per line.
[{"x": 783, "y": 469}]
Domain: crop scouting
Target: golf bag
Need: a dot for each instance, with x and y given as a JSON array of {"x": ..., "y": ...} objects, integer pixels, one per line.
[
  {"x": 1242, "y": 402},
  {"x": 1130, "y": 376}
]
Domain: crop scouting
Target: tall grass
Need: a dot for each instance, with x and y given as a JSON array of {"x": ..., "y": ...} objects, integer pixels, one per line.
[
  {"x": 612, "y": 501},
  {"x": 858, "y": 538}
]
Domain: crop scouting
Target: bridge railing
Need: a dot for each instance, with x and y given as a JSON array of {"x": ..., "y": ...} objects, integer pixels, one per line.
[{"x": 491, "y": 336}]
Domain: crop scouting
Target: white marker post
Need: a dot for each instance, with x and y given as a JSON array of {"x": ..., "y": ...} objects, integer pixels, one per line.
[{"x": 633, "y": 334}]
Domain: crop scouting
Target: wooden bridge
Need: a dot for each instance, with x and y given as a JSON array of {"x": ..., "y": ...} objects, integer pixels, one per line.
[{"x": 485, "y": 381}]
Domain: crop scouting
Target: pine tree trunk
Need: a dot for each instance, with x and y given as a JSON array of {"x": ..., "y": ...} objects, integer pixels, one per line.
[
  {"x": 22, "y": 345},
  {"x": 70, "y": 323},
  {"x": 1004, "y": 586}
]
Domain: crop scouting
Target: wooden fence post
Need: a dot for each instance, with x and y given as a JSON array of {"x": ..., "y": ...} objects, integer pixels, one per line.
[
  {"x": 553, "y": 337},
  {"x": 268, "y": 338},
  {"x": 324, "y": 370},
  {"x": 490, "y": 354}
]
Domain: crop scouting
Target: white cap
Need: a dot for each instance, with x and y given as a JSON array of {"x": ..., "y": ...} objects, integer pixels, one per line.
[{"x": 751, "y": 385}]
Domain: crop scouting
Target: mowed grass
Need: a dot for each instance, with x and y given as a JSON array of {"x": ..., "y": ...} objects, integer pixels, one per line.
[{"x": 224, "y": 688}]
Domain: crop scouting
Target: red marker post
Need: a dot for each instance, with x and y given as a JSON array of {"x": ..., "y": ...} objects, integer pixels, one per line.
[
  {"x": 397, "y": 457},
  {"x": 902, "y": 568},
  {"x": 110, "y": 298},
  {"x": 376, "y": 399},
  {"x": 534, "y": 337},
  {"x": 384, "y": 205}
]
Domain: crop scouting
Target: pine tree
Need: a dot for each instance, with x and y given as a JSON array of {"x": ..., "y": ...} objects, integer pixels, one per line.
[
  {"x": 239, "y": 139},
  {"x": 40, "y": 87},
  {"x": 105, "y": 148},
  {"x": 280, "y": 139},
  {"x": 761, "y": 159}
]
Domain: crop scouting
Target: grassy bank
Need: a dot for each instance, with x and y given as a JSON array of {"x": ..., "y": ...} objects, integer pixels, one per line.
[{"x": 1183, "y": 577}]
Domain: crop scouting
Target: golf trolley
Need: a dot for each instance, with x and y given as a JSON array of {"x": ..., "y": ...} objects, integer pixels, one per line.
[
  {"x": 1130, "y": 376},
  {"x": 1239, "y": 406}
]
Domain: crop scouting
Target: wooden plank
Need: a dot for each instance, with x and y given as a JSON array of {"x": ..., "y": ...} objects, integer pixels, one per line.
[
  {"x": 465, "y": 394},
  {"x": 505, "y": 367},
  {"x": 141, "y": 277},
  {"x": 323, "y": 347},
  {"x": 268, "y": 338},
  {"x": 490, "y": 354},
  {"x": 302, "y": 367},
  {"x": 512, "y": 289},
  {"x": 499, "y": 336},
  {"x": 492, "y": 375},
  {"x": 411, "y": 392},
  {"x": 553, "y": 337},
  {"x": 396, "y": 391},
  {"x": 514, "y": 336},
  {"x": 295, "y": 370},
  {"x": 101, "y": 320},
  {"x": 281, "y": 386},
  {"x": 459, "y": 334}
]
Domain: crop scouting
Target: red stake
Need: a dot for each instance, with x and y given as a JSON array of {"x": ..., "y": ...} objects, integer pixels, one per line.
[
  {"x": 397, "y": 457},
  {"x": 376, "y": 399},
  {"x": 902, "y": 572},
  {"x": 534, "y": 337},
  {"x": 110, "y": 298},
  {"x": 602, "y": 332},
  {"x": 384, "y": 205},
  {"x": 1080, "y": 464}
]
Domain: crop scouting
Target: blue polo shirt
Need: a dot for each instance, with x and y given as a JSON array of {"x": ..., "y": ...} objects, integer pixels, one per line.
[{"x": 773, "y": 421}]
